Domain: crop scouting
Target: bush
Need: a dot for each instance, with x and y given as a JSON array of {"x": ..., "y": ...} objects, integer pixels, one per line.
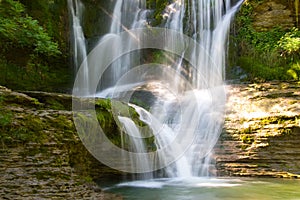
[
  {"x": 27, "y": 52},
  {"x": 19, "y": 30},
  {"x": 266, "y": 55}
]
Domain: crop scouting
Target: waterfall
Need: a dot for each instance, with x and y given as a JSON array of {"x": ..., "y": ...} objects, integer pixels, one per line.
[
  {"x": 127, "y": 14},
  {"x": 76, "y": 9},
  {"x": 189, "y": 98}
]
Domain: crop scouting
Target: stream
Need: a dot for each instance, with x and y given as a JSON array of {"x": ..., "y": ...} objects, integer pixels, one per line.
[{"x": 207, "y": 188}]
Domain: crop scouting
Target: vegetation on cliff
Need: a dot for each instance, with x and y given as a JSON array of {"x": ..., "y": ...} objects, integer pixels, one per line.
[
  {"x": 35, "y": 40},
  {"x": 268, "y": 40},
  {"x": 33, "y": 54}
]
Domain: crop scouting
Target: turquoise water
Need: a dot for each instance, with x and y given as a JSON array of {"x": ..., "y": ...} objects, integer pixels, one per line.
[{"x": 211, "y": 189}]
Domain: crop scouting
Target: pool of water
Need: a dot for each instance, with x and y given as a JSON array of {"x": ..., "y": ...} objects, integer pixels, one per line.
[{"x": 208, "y": 188}]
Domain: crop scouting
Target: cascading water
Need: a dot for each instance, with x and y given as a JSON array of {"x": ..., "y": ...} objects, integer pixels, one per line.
[
  {"x": 191, "y": 101},
  {"x": 126, "y": 15},
  {"x": 76, "y": 10}
]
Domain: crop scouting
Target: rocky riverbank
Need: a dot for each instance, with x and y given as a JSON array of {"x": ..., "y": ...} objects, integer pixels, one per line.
[{"x": 41, "y": 156}]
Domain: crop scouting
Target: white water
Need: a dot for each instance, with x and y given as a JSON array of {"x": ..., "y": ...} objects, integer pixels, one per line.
[
  {"x": 76, "y": 9},
  {"x": 134, "y": 142},
  {"x": 193, "y": 182},
  {"x": 127, "y": 14},
  {"x": 195, "y": 111}
]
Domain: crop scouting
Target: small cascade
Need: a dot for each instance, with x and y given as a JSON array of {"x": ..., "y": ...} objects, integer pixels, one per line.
[
  {"x": 191, "y": 106},
  {"x": 134, "y": 142},
  {"x": 199, "y": 116}
]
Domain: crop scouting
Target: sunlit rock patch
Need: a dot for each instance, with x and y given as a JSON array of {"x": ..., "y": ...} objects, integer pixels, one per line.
[{"x": 262, "y": 131}]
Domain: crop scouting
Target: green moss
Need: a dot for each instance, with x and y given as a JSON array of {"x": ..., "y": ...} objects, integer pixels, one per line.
[
  {"x": 88, "y": 179},
  {"x": 278, "y": 120},
  {"x": 62, "y": 122},
  {"x": 55, "y": 105},
  {"x": 47, "y": 125},
  {"x": 30, "y": 128},
  {"x": 103, "y": 104},
  {"x": 107, "y": 113},
  {"x": 18, "y": 99},
  {"x": 247, "y": 139},
  {"x": 261, "y": 69},
  {"x": 5, "y": 118},
  {"x": 244, "y": 147},
  {"x": 53, "y": 101},
  {"x": 104, "y": 114},
  {"x": 22, "y": 128}
]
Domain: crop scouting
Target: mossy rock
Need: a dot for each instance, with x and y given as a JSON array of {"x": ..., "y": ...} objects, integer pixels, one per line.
[
  {"x": 8, "y": 97},
  {"x": 54, "y": 101},
  {"x": 107, "y": 115},
  {"x": 48, "y": 116}
]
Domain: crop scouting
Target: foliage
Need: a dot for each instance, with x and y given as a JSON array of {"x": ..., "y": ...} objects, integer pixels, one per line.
[
  {"x": 158, "y": 6},
  {"x": 266, "y": 55},
  {"x": 290, "y": 42},
  {"x": 261, "y": 41},
  {"x": 33, "y": 75},
  {"x": 19, "y": 29},
  {"x": 30, "y": 59},
  {"x": 294, "y": 71},
  {"x": 259, "y": 71},
  {"x": 289, "y": 46},
  {"x": 53, "y": 16}
]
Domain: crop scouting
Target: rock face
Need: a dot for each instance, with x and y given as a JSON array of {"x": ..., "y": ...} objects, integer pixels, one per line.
[
  {"x": 272, "y": 13},
  {"x": 41, "y": 156},
  {"x": 36, "y": 171},
  {"x": 262, "y": 131}
]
